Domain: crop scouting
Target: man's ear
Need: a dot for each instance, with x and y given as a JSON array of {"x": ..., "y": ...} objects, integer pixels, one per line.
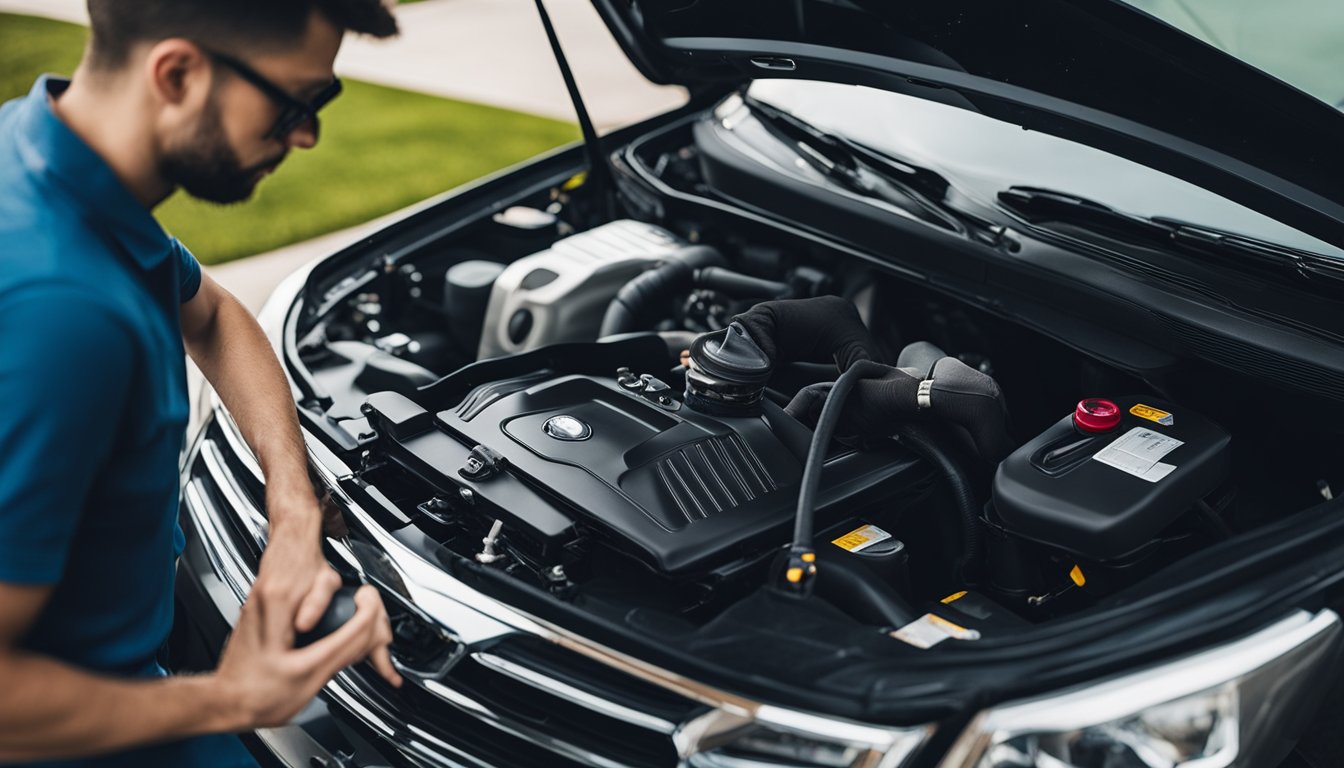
[{"x": 179, "y": 73}]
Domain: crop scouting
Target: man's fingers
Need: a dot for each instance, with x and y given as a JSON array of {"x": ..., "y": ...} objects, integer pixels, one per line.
[
  {"x": 381, "y": 654},
  {"x": 806, "y": 405},
  {"x": 316, "y": 601},
  {"x": 381, "y": 659}
]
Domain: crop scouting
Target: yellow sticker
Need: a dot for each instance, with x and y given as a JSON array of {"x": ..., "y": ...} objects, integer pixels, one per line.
[
  {"x": 952, "y": 598},
  {"x": 861, "y": 538},
  {"x": 1153, "y": 414},
  {"x": 1077, "y": 575}
]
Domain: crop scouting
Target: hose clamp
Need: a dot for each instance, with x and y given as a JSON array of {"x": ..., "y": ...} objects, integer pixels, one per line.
[{"x": 924, "y": 395}]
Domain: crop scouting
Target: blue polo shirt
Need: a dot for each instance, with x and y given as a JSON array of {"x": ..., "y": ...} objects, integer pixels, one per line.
[{"x": 93, "y": 407}]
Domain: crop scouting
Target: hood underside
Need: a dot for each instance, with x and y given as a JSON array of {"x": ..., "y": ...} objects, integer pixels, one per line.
[{"x": 1095, "y": 71}]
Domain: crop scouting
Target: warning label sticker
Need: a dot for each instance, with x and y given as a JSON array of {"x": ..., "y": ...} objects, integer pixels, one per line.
[
  {"x": 860, "y": 539},
  {"x": 929, "y": 630},
  {"x": 1139, "y": 452},
  {"x": 1153, "y": 414}
]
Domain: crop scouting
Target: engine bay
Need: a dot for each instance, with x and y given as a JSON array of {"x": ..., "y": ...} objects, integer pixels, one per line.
[{"x": 604, "y": 417}]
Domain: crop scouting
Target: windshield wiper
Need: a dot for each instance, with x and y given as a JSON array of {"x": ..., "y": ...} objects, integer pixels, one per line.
[
  {"x": 917, "y": 191},
  {"x": 1043, "y": 207}
]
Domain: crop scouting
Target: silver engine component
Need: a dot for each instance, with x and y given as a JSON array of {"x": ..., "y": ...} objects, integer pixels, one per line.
[{"x": 560, "y": 294}]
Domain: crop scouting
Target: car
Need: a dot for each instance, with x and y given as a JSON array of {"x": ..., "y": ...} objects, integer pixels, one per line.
[{"x": 1071, "y": 503}]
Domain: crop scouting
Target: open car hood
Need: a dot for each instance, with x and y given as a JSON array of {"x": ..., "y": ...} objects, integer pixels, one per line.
[{"x": 1100, "y": 72}]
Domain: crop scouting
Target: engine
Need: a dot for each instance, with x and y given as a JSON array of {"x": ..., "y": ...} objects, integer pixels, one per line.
[
  {"x": 629, "y": 418},
  {"x": 561, "y": 449}
]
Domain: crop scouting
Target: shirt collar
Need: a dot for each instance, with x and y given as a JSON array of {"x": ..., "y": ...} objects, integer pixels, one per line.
[{"x": 51, "y": 150}]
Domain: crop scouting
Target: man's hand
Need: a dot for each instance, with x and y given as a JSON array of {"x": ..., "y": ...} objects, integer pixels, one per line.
[
  {"x": 296, "y": 582},
  {"x": 294, "y": 574},
  {"x": 262, "y": 680}
]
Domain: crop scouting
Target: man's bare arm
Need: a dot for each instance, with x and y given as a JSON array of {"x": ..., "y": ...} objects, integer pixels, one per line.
[
  {"x": 231, "y": 350},
  {"x": 52, "y": 710}
]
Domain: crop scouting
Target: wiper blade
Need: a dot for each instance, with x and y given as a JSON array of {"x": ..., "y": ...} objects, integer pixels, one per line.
[
  {"x": 914, "y": 190},
  {"x": 1044, "y": 206},
  {"x": 1305, "y": 264}
]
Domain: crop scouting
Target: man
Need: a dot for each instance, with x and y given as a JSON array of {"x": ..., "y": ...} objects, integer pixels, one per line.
[{"x": 96, "y": 307}]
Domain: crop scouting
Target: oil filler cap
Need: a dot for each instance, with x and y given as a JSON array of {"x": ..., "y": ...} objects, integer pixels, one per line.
[
  {"x": 567, "y": 428},
  {"x": 1095, "y": 415}
]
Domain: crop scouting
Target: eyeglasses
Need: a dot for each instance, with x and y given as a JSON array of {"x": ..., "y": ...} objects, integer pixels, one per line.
[{"x": 293, "y": 112}]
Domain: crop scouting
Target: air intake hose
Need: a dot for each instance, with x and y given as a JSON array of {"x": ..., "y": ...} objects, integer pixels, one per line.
[
  {"x": 639, "y": 300},
  {"x": 740, "y": 285}
]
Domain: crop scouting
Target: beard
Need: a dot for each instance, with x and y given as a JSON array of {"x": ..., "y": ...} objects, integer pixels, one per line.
[{"x": 208, "y": 168}]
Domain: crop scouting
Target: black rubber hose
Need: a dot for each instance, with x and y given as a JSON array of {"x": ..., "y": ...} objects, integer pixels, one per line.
[
  {"x": 821, "y": 440},
  {"x": 920, "y": 440},
  {"x": 866, "y": 598},
  {"x": 739, "y": 285},
  {"x": 857, "y": 591},
  {"x": 637, "y": 301}
]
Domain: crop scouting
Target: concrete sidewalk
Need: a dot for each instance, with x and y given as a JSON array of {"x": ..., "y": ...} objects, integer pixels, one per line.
[{"x": 486, "y": 51}]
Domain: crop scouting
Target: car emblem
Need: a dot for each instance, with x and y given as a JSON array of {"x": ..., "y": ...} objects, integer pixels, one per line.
[{"x": 567, "y": 428}]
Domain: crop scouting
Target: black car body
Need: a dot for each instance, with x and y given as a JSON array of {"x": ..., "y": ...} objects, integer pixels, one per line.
[{"x": 582, "y": 560}]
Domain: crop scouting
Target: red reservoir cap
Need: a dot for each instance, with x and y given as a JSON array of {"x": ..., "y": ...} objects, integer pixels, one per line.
[{"x": 1096, "y": 415}]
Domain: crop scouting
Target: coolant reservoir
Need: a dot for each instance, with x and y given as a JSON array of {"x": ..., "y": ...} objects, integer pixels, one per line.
[{"x": 1103, "y": 481}]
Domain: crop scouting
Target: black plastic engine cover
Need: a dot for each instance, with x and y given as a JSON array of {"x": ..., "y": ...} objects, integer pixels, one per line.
[
  {"x": 679, "y": 490},
  {"x": 682, "y": 489}
]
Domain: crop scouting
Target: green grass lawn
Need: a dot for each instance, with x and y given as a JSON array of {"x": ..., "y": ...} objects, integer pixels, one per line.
[{"x": 382, "y": 149}]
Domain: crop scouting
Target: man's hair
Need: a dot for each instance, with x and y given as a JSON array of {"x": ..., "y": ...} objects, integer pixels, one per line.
[{"x": 229, "y": 25}]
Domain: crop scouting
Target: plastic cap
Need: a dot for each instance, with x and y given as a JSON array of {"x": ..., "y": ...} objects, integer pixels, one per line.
[
  {"x": 731, "y": 356},
  {"x": 1096, "y": 415}
]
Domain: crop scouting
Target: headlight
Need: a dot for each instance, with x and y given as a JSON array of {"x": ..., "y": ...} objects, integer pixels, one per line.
[
  {"x": 1232, "y": 705},
  {"x": 778, "y": 738}
]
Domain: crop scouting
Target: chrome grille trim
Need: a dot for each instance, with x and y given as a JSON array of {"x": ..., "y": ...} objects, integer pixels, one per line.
[
  {"x": 237, "y": 498},
  {"x": 505, "y": 724},
  {"x": 584, "y": 699},
  {"x": 234, "y": 573},
  {"x": 237, "y": 445},
  {"x": 425, "y": 746}
]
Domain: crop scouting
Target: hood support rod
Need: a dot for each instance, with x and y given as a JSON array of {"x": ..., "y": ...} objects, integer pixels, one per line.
[{"x": 599, "y": 173}]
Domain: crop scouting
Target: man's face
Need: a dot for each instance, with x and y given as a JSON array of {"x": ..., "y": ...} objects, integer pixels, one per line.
[
  {"x": 208, "y": 167},
  {"x": 227, "y": 151}
]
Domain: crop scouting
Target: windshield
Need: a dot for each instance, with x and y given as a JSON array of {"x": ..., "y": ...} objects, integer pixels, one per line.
[
  {"x": 1301, "y": 42},
  {"x": 983, "y": 156}
]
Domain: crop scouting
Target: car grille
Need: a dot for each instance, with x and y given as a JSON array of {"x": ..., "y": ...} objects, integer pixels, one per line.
[
  {"x": 517, "y": 701},
  {"x": 531, "y": 716}
]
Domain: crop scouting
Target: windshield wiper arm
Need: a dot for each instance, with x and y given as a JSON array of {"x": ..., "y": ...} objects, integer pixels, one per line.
[
  {"x": 1044, "y": 206},
  {"x": 917, "y": 191}
]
